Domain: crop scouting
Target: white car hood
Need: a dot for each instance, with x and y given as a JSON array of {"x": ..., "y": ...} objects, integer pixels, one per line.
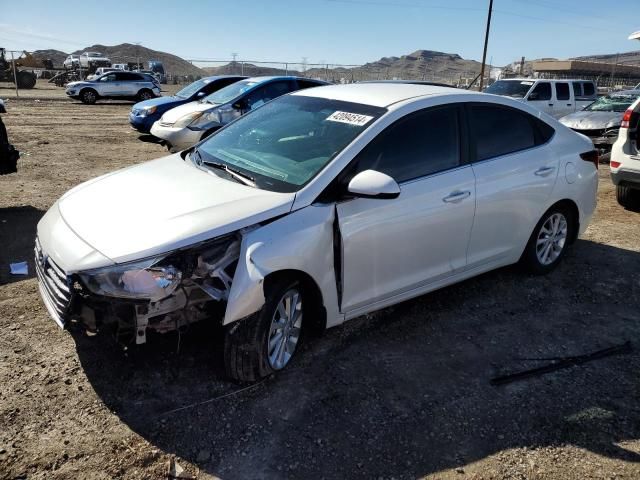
[
  {"x": 174, "y": 114},
  {"x": 588, "y": 120},
  {"x": 161, "y": 205}
]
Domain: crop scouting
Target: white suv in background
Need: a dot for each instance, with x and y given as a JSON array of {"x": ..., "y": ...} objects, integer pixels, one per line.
[
  {"x": 555, "y": 97},
  {"x": 625, "y": 159}
]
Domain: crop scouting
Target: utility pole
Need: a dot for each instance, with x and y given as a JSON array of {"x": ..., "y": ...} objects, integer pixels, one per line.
[
  {"x": 304, "y": 64},
  {"x": 486, "y": 42},
  {"x": 234, "y": 55}
]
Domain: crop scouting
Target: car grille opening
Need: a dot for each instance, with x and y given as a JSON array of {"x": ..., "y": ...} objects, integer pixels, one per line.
[{"x": 54, "y": 285}]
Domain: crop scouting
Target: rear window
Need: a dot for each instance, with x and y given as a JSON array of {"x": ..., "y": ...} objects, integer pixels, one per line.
[
  {"x": 490, "y": 122},
  {"x": 589, "y": 89}
]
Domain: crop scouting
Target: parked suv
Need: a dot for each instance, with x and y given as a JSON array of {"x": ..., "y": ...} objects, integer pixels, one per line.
[
  {"x": 555, "y": 97},
  {"x": 184, "y": 126},
  {"x": 144, "y": 114},
  {"x": 625, "y": 159},
  {"x": 121, "y": 85}
]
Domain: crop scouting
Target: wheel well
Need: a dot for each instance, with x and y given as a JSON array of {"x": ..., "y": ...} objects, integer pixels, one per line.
[
  {"x": 317, "y": 313},
  {"x": 572, "y": 208},
  {"x": 84, "y": 89}
]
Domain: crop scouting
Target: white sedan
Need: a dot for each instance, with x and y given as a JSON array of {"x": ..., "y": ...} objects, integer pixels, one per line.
[{"x": 320, "y": 206}]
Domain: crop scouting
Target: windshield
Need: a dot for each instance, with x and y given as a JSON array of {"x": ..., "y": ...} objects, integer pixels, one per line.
[
  {"x": 191, "y": 89},
  {"x": 612, "y": 103},
  {"x": 510, "y": 88},
  {"x": 285, "y": 143},
  {"x": 230, "y": 92}
]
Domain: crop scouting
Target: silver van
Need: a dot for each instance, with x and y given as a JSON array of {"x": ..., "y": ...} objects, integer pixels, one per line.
[{"x": 555, "y": 97}]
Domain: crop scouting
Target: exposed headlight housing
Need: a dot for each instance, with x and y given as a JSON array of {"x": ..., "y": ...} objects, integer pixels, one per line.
[
  {"x": 149, "y": 110},
  {"x": 212, "y": 116},
  {"x": 187, "y": 119},
  {"x": 144, "y": 280}
]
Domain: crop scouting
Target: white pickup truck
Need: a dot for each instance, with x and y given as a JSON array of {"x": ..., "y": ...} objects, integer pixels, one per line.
[{"x": 555, "y": 97}]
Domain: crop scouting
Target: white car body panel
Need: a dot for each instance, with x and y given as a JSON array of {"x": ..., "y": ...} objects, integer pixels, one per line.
[
  {"x": 172, "y": 116},
  {"x": 625, "y": 153},
  {"x": 379, "y": 261},
  {"x": 137, "y": 212}
]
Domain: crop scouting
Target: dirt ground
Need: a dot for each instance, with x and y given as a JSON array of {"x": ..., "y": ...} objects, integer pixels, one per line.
[{"x": 404, "y": 393}]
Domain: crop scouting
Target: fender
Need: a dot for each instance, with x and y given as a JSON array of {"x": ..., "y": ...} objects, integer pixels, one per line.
[{"x": 302, "y": 240}]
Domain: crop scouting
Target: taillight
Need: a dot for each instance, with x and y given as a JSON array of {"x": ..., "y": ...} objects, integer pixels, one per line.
[
  {"x": 614, "y": 164},
  {"x": 626, "y": 118},
  {"x": 590, "y": 156}
]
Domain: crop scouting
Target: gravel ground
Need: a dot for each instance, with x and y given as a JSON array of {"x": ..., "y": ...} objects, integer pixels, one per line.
[{"x": 403, "y": 393}]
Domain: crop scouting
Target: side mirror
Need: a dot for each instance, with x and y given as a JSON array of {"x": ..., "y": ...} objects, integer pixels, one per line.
[
  {"x": 373, "y": 184},
  {"x": 200, "y": 94},
  {"x": 533, "y": 96},
  {"x": 239, "y": 105}
]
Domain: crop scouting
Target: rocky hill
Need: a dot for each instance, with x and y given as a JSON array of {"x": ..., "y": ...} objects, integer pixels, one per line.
[
  {"x": 419, "y": 65},
  {"x": 127, "y": 52}
]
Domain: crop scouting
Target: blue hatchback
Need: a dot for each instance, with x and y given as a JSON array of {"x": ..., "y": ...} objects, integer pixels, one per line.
[{"x": 144, "y": 114}]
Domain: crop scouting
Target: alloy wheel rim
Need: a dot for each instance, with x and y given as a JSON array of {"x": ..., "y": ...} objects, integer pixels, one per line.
[
  {"x": 552, "y": 238},
  {"x": 284, "y": 332},
  {"x": 89, "y": 96}
]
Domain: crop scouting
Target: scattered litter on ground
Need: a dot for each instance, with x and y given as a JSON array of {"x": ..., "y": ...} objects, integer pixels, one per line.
[
  {"x": 20, "y": 268},
  {"x": 176, "y": 471}
]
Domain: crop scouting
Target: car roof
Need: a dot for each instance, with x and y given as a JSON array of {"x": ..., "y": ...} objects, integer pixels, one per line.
[
  {"x": 378, "y": 94},
  {"x": 545, "y": 80},
  {"x": 267, "y": 78},
  {"x": 220, "y": 77}
]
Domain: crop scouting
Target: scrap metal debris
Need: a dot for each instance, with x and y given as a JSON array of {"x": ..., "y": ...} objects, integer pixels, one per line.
[
  {"x": 562, "y": 363},
  {"x": 175, "y": 471}
]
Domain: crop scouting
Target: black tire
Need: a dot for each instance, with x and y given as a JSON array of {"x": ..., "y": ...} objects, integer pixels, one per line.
[
  {"x": 26, "y": 79},
  {"x": 145, "y": 94},
  {"x": 628, "y": 197},
  {"x": 88, "y": 96},
  {"x": 530, "y": 257},
  {"x": 246, "y": 352}
]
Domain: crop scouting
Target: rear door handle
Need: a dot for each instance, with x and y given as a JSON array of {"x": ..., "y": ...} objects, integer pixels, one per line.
[
  {"x": 544, "y": 171},
  {"x": 457, "y": 196}
]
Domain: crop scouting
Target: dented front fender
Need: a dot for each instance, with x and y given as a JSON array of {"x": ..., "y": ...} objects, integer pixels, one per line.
[{"x": 301, "y": 241}]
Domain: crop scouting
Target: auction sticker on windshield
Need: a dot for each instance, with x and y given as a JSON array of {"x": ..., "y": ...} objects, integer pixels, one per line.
[{"x": 350, "y": 118}]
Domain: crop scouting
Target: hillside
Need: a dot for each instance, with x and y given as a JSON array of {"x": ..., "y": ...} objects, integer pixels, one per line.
[
  {"x": 127, "y": 52},
  {"x": 419, "y": 65}
]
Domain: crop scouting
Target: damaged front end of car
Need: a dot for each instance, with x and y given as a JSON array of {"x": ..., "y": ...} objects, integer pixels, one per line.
[{"x": 160, "y": 294}]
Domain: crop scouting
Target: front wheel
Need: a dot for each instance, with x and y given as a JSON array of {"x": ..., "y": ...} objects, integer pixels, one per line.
[
  {"x": 264, "y": 343},
  {"x": 549, "y": 240}
]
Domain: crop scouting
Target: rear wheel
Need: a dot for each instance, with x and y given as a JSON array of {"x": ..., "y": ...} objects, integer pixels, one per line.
[
  {"x": 88, "y": 96},
  {"x": 145, "y": 95},
  {"x": 628, "y": 197},
  {"x": 266, "y": 342},
  {"x": 549, "y": 240}
]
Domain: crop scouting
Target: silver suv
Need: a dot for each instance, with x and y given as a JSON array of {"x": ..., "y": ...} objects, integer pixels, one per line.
[{"x": 121, "y": 85}]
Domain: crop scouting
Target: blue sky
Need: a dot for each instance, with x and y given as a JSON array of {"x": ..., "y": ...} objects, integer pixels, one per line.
[{"x": 332, "y": 31}]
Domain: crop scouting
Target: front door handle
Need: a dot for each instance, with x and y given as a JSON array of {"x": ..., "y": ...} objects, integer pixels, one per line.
[
  {"x": 457, "y": 196},
  {"x": 544, "y": 171}
]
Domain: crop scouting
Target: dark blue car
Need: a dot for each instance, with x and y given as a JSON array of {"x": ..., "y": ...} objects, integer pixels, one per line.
[{"x": 143, "y": 114}]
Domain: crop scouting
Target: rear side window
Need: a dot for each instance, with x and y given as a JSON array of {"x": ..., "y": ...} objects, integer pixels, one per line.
[
  {"x": 589, "y": 89},
  {"x": 421, "y": 144},
  {"x": 577, "y": 89},
  {"x": 562, "y": 91},
  {"x": 499, "y": 130}
]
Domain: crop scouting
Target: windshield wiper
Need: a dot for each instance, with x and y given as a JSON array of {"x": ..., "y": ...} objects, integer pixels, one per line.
[{"x": 236, "y": 174}]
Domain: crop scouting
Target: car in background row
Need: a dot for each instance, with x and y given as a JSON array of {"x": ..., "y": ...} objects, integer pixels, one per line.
[
  {"x": 102, "y": 71},
  {"x": 144, "y": 114},
  {"x": 625, "y": 159},
  {"x": 120, "y": 85},
  {"x": 555, "y": 97},
  {"x": 86, "y": 60},
  {"x": 321, "y": 206},
  {"x": 184, "y": 126},
  {"x": 600, "y": 121}
]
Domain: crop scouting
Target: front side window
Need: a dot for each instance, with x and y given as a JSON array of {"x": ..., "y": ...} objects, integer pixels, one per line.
[
  {"x": 287, "y": 142},
  {"x": 423, "y": 143},
  {"x": 542, "y": 91},
  {"x": 265, "y": 94},
  {"x": 562, "y": 91},
  {"x": 230, "y": 92},
  {"x": 192, "y": 89},
  {"x": 500, "y": 130},
  {"x": 108, "y": 78}
]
